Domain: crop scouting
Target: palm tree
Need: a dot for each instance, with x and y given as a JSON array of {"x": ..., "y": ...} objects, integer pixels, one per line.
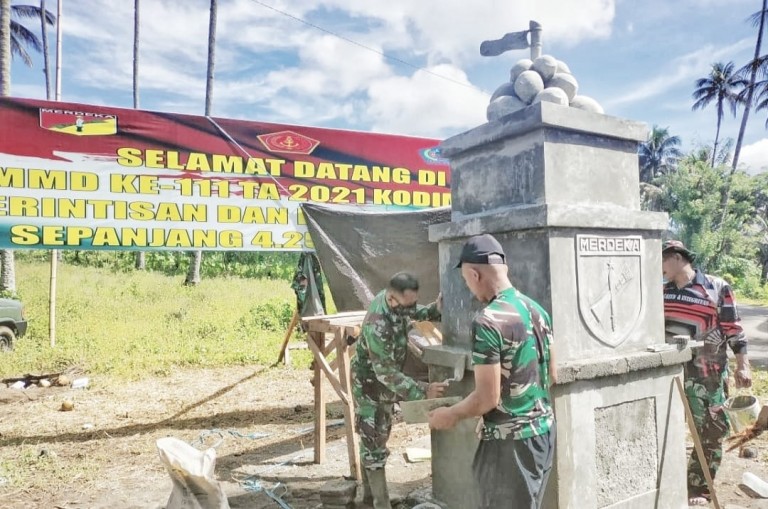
[
  {"x": 659, "y": 154},
  {"x": 193, "y": 273},
  {"x": 23, "y": 38},
  {"x": 721, "y": 86},
  {"x": 46, "y": 60},
  {"x": 758, "y": 19},
  {"x": 13, "y": 38}
]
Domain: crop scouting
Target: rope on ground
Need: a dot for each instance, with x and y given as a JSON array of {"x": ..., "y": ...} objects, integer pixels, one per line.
[
  {"x": 254, "y": 486},
  {"x": 222, "y": 434}
]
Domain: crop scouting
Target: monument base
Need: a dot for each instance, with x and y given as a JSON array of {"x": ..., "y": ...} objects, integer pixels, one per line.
[{"x": 620, "y": 438}]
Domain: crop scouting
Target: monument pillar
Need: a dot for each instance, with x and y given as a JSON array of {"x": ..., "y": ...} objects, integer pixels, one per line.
[{"x": 559, "y": 188}]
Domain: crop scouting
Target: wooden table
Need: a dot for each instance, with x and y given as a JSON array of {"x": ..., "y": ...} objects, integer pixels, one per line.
[{"x": 336, "y": 371}]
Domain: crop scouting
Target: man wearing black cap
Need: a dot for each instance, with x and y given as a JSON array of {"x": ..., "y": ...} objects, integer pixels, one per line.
[
  {"x": 511, "y": 338},
  {"x": 702, "y": 307}
]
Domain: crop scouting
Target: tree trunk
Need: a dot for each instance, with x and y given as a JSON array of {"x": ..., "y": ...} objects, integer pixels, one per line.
[
  {"x": 193, "y": 273},
  {"x": 141, "y": 259},
  {"x": 7, "y": 271},
  {"x": 5, "y": 48},
  {"x": 211, "y": 57},
  {"x": 195, "y": 260},
  {"x": 7, "y": 265},
  {"x": 717, "y": 138},
  {"x": 46, "y": 60}
]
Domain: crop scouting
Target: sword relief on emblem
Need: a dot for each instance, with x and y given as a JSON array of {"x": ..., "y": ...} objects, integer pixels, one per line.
[{"x": 606, "y": 303}]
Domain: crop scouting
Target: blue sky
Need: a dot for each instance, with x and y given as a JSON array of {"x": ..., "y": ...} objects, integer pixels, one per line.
[{"x": 638, "y": 59}]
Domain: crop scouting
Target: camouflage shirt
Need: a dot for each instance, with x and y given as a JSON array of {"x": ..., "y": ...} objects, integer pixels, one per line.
[
  {"x": 514, "y": 331},
  {"x": 380, "y": 353}
]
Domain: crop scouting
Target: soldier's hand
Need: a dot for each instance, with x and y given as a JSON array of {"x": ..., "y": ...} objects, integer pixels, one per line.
[
  {"x": 436, "y": 389},
  {"x": 442, "y": 418},
  {"x": 743, "y": 377},
  {"x": 439, "y": 302}
]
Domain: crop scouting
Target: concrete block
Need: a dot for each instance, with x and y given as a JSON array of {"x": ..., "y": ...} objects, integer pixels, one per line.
[{"x": 338, "y": 493}]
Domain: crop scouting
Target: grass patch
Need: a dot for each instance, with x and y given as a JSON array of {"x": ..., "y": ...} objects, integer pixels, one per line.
[{"x": 133, "y": 324}]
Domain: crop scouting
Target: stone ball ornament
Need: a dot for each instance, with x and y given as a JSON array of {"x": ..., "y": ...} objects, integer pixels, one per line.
[
  {"x": 544, "y": 79},
  {"x": 527, "y": 85}
]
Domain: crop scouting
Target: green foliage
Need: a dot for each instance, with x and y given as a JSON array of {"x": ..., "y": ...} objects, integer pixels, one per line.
[
  {"x": 260, "y": 264},
  {"x": 727, "y": 246},
  {"x": 273, "y": 315},
  {"x": 131, "y": 324}
]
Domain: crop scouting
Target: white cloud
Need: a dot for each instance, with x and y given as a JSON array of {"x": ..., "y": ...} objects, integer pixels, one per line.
[
  {"x": 754, "y": 157},
  {"x": 682, "y": 69},
  {"x": 417, "y": 105}
]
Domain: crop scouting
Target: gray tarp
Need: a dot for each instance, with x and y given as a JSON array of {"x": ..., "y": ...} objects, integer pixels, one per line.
[{"x": 360, "y": 250}]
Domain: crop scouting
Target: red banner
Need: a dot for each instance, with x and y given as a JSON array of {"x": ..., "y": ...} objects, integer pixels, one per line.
[{"x": 76, "y": 176}]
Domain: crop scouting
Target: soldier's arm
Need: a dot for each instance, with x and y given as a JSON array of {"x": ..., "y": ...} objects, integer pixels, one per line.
[
  {"x": 730, "y": 323},
  {"x": 387, "y": 370},
  {"x": 427, "y": 313}
]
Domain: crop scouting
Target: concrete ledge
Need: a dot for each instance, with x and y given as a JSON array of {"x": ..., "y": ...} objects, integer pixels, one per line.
[
  {"x": 573, "y": 371},
  {"x": 530, "y": 217},
  {"x": 544, "y": 115},
  {"x": 447, "y": 356}
]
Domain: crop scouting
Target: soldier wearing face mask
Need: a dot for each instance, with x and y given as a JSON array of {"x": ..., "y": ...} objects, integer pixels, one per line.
[{"x": 378, "y": 381}]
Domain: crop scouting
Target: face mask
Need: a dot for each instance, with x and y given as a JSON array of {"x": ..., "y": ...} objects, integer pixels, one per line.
[{"x": 405, "y": 311}]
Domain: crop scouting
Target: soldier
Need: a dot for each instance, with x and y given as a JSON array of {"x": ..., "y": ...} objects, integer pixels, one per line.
[
  {"x": 378, "y": 380},
  {"x": 511, "y": 338},
  {"x": 702, "y": 307}
]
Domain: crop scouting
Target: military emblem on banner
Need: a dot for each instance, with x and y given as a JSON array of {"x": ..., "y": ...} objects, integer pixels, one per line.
[
  {"x": 288, "y": 141},
  {"x": 610, "y": 278},
  {"x": 79, "y": 123},
  {"x": 432, "y": 156}
]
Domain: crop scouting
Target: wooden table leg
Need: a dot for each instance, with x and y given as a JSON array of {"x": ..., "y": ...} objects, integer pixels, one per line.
[
  {"x": 319, "y": 340},
  {"x": 353, "y": 448}
]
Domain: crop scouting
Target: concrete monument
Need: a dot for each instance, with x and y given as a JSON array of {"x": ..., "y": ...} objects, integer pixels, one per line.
[{"x": 558, "y": 186}]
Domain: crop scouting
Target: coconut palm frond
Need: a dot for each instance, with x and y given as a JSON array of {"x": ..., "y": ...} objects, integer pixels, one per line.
[
  {"x": 32, "y": 12},
  {"x": 25, "y": 37}
]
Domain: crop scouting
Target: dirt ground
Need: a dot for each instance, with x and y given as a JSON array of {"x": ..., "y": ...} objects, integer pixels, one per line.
[{"x": 103, "y": 454}]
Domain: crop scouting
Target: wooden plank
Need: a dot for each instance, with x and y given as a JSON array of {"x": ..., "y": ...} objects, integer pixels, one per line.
[
  {"x": 320, "y": 431},
  {"x": 353, "y": 448},
  {"x": 320, "y": 361},
  {"x": 697, "y": 443},
  {"x": 294, "y": 321}
]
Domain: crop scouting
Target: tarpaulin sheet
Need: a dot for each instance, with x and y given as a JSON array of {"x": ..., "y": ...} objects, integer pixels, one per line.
[{"x": 360, "y": 250}]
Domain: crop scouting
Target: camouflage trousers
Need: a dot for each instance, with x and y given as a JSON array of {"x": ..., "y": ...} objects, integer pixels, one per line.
[
  {"x": 373, "y": 422},
  {"x": 706, "y": 397}
]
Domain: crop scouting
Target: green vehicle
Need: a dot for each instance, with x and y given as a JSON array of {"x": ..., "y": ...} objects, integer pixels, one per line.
[{"x": 13, "y": 323}]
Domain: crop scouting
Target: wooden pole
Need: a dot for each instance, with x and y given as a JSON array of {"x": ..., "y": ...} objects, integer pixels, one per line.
[
  {"x": 697, "y": 443},
  {"x": 353, "y": 448},
  {"x": 287, "y": 337},
  {"x": 319, "y": 338},
  {"x": 54, "y": 253}
]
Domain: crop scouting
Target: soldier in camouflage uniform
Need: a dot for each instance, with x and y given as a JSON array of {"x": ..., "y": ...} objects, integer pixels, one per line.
[
  {"x": 513, "y": 367},
  {"x": 378, "y": 380},
  {"x": 702, "y": 307}
]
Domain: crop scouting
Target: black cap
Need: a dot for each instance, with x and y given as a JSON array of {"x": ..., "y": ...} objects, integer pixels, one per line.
[
  {"x": 675, "y": 246},
  {"x": 482, "y": 249}
]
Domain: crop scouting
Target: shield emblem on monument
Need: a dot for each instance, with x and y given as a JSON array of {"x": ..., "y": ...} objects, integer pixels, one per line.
[{"x": 609, "y": 274}]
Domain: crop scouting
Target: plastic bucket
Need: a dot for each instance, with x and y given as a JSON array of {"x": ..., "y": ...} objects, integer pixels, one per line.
[{"x": 742, "y": 411}]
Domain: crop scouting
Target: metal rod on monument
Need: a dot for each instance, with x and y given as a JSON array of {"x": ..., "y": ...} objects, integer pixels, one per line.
[{"x": 535, "y": 29}]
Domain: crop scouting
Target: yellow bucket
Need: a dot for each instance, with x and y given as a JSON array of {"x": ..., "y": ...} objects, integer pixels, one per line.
[{"x": 742, "y": 411}]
